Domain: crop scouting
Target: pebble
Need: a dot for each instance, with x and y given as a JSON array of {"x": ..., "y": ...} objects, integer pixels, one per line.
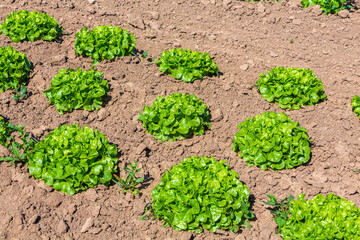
[
  {"x": 244, "y": 67},
  {"x": 135, "y": 21},
  {"x": 216, "y": 115},
  {"x": 92, "y": 1},
  {"x": 62, "y": 227},
  {"x": 226, "y": 86},
  {"x": 344, "y": 13},
  {"x": 273, "y": 54},
  {"x": 316, "y": 10},
  {"x": 87, "y": 225},
  {"x": 177, "y": 44},
  {"x": 155, "y": 26},
  {"x": 261, "y": 8},
  {"x": 103, "y": 113},
  {"x": 297, "y": 21},
  {"x": 227, "y": 2}
]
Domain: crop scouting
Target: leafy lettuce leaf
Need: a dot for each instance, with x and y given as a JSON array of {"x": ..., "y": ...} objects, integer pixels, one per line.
[
  {"x": 328, "y": 6},
  {"x": 291, "y": 88},
  {"x": 323, "y": 217},
  {"x": 73, "y": 159},
  {"x": 78, "y": 89},
  {"x": 187, "y": 65},
  {"x": 272, "y": 140},
  {"x": 104, "y": 42},
  {"x": 175, "y": 117},
  {"x": 14, "y": 69},
  {"x": 30, "y": 26},
  {"x": 201, "y": 192},
  {"x": 355, "y": 105}
]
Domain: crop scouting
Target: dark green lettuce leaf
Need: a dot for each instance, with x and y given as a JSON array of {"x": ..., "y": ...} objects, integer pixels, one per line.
[
  {"x": 187, "y": 65},
  {"x": 323, "y": 217},
  {"x": 201, "y": 192},
  {"x": 104, "y": 42},
  {"x": 30, "y": 26},
  {"x": 175, "y": 117},
  {"x": 78, "y": 89},
  {"x": 291, "y": 87},
  {"x": 355, "y": 105},
  {"x": 14, "y": 69},
  {"x": 73, "y": 159},
  {"x": 328, "y": 6},
  {"x": 272, "y": 140}
]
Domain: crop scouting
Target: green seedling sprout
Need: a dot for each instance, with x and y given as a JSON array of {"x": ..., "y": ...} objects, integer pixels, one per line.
[{"x": 129, "y": 184}]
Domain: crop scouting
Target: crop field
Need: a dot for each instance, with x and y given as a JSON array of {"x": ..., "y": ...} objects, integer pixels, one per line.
[{"x": 193, "y": 123}]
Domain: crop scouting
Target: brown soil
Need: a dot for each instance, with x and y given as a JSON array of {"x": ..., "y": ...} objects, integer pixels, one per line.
[{"x": 245, "y": 39}]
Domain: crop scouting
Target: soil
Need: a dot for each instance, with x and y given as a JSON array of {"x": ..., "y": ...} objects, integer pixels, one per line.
[{"x": 245, "y": 39}]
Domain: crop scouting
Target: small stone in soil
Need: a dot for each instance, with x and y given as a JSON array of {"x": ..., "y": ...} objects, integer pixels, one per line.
[
  {"x": 244, "y": 67},
  {"x": 216, "y": 115},
  {"x": 87, "y": 225}
]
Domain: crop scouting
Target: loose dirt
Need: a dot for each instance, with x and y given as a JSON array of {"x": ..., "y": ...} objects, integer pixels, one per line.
[{"x": 245, "y": 39}]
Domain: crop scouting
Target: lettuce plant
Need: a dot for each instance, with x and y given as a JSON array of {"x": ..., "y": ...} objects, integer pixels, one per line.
[
  {"x": 104, "y": 42},
  {"x": 14, "y": 69},
  {"x": 73, "y": 159},
  {"x": 175, "y": 117},
  {"x": 291, "y": 87},
  {"x": 272, "y": 140},
  {"x": 323, "y": 217},
  {"x": 30, "y": 26},
  {"x": 355, "y": 105},
  {"x": 187, "y": 65},
  {"x": 201, "y": 192},
  {"x": 328, "y": 6},
  {"x": 78, "y": 89}
]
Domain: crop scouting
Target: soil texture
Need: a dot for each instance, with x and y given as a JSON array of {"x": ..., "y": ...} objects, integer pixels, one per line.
[{"x": 244, "y": 39}]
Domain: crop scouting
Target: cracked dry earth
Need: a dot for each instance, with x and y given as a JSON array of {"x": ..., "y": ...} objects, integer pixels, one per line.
[{"x": 245, "y": 39}]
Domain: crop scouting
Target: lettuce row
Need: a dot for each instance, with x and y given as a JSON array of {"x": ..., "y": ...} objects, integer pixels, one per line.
[
  {"x": 104, "y": 42},
  {"x": 187, "y": 65},
  {"x": 78, "y": 89},
  {"x": 355, "y": 105},
  {"x": 323, "y": 217},
  {"x": 328, "y": 6},
  {"x": 30, "y": 26},
  {"x": 175, "y": 117},
  {"x": 291, "y": 87},
  {"x": 14, "y": 69},
  {"x": 201, "y": 192},
  {"x": 73, "y": 159},
  {"x": 272, "y": 140}
]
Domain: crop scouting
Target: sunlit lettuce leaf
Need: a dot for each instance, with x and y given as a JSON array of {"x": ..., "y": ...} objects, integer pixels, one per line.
[
  {"x": 187, "y": 65},
  {"x": 323, "y": 217},
  {"x": 73, "y": 159},
  {"x": 201, "y": 192},
  {"x": 14, "y": 69},
  {"x": 291, "y": 88},
  {"x": 78, "y": 89},
  {"x": 30, "y": 26},
  {"x": 328, "y": 6},
  {"x": 355, "y": 105},
  {"x": 104, "y": 42},
  {"x": 272, "y": 140},
  {"x": 175, "y": 117}
]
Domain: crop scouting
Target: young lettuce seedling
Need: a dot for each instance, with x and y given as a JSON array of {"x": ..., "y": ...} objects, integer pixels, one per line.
[{"x": 131, "y": 181}]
